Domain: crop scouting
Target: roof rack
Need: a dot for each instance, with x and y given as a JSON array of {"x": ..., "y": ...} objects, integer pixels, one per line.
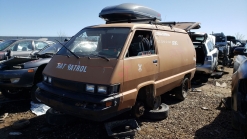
[
  {"x": 128, "y": 11},
  {"x": 134, "y": 13},
  {"x": 143, "y": 20}
]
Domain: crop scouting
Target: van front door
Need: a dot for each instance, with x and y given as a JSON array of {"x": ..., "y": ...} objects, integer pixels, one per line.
[{"x": 141, "y": 64}]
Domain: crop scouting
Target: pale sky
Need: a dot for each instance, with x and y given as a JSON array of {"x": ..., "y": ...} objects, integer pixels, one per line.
[{"x": 67, "y": 17}]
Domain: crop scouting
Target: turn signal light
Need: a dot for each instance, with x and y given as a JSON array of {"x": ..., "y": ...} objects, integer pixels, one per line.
[
  {"x": 108, "y": 103},
  {"x": 30, "y": 70}
]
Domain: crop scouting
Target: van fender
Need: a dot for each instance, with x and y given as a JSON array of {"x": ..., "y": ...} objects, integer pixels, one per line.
[{"x": 147, "y": 84}]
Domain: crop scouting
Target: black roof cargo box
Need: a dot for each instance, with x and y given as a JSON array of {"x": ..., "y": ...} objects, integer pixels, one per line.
[{"x": 128, "y": 11}]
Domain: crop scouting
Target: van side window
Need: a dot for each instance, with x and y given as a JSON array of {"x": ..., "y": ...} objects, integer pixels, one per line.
[{"x": 142, "y": 44}]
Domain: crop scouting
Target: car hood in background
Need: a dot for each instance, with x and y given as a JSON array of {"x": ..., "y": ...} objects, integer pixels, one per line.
[{"x": 18, "y": 60}]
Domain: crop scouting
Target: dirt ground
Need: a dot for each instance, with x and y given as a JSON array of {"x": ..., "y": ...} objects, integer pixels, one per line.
[{"x": 197, "y": 117}]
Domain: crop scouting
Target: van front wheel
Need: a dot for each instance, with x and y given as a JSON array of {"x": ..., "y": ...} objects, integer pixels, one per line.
[{"x": 182, "y": 91}]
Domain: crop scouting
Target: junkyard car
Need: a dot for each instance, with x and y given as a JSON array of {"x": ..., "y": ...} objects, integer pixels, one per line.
[
  {"x": 206, "y": 53},
  {"x": 239, "y": 90},
  {"x": 19, "y": 75},
  {"x": 105, "y": 70},
  {"x": 21, "y": 47},
  {"x": 223, "y": 47}
]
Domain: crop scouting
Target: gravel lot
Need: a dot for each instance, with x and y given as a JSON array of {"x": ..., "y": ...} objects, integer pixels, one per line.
[{"x": 198, "y": 117}]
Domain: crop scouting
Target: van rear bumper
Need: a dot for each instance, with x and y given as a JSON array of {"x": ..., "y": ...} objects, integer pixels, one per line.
[{"x": 87, "y": 106}]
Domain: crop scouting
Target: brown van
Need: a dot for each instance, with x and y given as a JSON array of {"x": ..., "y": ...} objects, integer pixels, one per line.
[{"x": 125, "y": 64}]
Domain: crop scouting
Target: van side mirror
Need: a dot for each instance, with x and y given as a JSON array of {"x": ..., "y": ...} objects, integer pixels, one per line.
[{"x": 240, "y": 51}]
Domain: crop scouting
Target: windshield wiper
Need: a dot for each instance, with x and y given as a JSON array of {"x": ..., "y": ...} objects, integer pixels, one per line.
[
  {"x": 69, "y": 50},
  {"x": 99, "y": 56}
]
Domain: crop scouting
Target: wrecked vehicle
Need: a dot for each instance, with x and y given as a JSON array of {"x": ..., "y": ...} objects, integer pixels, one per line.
[
  {"x": 239, "y": 90},
  {"x": 105, "y": 70},
  {"x": 206, "y": 53},
  {"x": 21, "y": 47},
  {"x": 223, "y": 47},
  {"x": 19, "y": 75}
]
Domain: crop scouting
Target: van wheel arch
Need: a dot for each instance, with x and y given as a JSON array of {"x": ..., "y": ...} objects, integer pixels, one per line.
[
  {"x": 147, "y": 95},
  {"x": 145, "y": 99}
]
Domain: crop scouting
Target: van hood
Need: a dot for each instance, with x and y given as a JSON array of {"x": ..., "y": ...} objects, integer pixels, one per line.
[{"x": 95, "y": 70}]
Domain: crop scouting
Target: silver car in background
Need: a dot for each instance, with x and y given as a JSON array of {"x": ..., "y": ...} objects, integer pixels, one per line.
[{"x": 206, "y": 53}]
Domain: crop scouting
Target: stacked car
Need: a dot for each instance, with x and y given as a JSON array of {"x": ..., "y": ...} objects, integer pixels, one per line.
[
  {"x": 19, "y": 75},
  {"x": 21, "y": 47},
  {"x": 206, "y": 53}
]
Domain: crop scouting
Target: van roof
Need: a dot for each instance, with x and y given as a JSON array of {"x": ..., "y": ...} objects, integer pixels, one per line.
[{"x": 138, "y": 25}]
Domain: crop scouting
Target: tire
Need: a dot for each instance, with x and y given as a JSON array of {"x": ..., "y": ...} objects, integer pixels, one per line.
[
  {"x": 33, "y": 97},
  {"x": 182, "y": 91},
  {"x": 54, "y": 117},
  {"x": 12, "y": 93},
  {"x": 158, "y": 114},
  {"x": 20, "y": 124}
]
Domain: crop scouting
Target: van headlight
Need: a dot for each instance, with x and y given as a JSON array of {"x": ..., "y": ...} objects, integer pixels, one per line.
[
  {"x": 102, "y": 89},
  {"x": 90, "y": 88},
  {"x": 47, "y": 79}
]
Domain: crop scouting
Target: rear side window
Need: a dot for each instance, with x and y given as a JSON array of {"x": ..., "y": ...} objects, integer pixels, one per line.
[
  {"x": 142, "y": 44},
  {"x": 39, "y": 45},
  {"x": 22, "y": 46}
]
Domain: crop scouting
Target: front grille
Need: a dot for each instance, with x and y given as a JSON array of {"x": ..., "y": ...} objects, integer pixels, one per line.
[
  {"x": 74, "y": 102},
  {"x": 69, "y": 85}
]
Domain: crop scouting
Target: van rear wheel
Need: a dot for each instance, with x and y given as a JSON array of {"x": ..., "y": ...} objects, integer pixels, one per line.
[{"x": 182, "y": 91}]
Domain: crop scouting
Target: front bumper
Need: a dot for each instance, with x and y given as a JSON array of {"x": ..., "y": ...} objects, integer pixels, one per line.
[
  {"x": 87, "y": 106},
  {"x": 26, "y": 78}
]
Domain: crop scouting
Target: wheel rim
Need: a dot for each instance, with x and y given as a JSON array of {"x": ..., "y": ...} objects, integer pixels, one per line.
[{"x": 139, "y": 109}]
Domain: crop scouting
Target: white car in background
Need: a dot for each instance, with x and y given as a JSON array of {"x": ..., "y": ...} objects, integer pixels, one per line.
[{"x": 206, "y": 52}]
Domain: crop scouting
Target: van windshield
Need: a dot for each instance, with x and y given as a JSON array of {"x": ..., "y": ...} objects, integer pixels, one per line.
[{"x": 106, "y": 42}]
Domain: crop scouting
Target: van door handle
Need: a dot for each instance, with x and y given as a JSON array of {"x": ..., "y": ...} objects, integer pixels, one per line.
[{"x": 155, "y": 61}]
